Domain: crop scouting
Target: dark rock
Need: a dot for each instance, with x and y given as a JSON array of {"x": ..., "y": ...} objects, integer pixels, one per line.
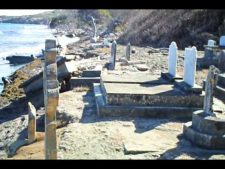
[
  {"x": 133, "y": 50},
  {"x": 142, "y": 67},
  {"x": 5, "y": 81},
  {"x": 70, "y": 35},
  {"x": 20, "y": 59}
]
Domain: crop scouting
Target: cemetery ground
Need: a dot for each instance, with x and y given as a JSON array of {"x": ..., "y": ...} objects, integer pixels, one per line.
[
  {"x": 87, "y": 136},
  {"x": 91, "y": 137}
]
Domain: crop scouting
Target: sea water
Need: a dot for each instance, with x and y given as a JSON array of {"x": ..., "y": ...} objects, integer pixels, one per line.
[{"x": 20, "y": 39}]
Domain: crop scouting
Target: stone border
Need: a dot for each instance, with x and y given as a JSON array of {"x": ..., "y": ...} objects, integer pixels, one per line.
[
  {"x": 203, "y": 140},
  {"x": 105, "y": 110}
]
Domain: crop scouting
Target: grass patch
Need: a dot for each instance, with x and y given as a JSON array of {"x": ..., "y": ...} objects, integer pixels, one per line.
[{"x": 119, "y": 28}]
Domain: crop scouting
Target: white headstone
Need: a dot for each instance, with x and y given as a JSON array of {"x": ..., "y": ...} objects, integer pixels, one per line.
[
  {"x": 172, "y": 59},
  {"x": 222, "y": 41},
  {"x": 211, "y": 43},
  {"x": 190, "y": 59},
  {"x": 106, "y": 42}
]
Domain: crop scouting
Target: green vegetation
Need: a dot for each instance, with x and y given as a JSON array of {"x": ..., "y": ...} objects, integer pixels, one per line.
[
  {"x": 105, "y": 12},
  {"x": 119, "y": 28}
]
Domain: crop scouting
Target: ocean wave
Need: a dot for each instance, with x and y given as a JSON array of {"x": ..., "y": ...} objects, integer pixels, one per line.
[
  {"x": 9, "y": 33},
  {"x": 23, "y": 51},
  {"x": 35, "y": 29},
  {"x": 20, "y": 39}
]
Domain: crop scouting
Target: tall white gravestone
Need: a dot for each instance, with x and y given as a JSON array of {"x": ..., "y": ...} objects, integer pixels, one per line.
[
  {"x": 190, "y": 59},
  {"x": 172, "y": 59}
]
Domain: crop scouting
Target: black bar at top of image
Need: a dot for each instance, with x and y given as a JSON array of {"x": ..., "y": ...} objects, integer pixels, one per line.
[{"x": 114, "y": 4}]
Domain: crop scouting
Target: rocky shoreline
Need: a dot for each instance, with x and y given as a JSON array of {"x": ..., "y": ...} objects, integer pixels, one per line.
[{"x": 13, "y": 102}]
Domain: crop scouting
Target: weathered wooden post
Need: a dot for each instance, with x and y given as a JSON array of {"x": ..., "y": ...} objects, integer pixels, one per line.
[
  {"x": 113, "y": 55},
  {"x": 31, "y": 123},
  {"x": 128, "y": 51},
  {"x": 211, "y": 82},
  {"x": 51, "y": 96},
  {"x": 95, "y": 30}
]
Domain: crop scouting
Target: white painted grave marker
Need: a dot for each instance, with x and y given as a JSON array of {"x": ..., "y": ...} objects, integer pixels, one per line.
[
  {"x": 95, "y": 30},
  {"x": 172, "y": 59},
  {"x": 106, "y": 42},
  {"x": 211, "y": 43},
  {"x": 190, "y": 59}
]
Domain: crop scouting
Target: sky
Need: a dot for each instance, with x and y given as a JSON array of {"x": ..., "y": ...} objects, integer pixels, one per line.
[{"x": 20, "y": 12}]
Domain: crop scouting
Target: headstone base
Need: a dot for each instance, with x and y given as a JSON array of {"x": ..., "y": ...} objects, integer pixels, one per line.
[
  {"x": 206, "y": 62},
  {"x": 187, "y": 88},
  {"x": 210, "y": 52},
  {"x": 206, "y": 131},
  {"x": 169, "y": 77}
]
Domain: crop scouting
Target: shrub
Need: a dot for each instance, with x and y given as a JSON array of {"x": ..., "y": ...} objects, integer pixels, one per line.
[
  {"x": 105, "y": 12},
  {"x": 57, "y": 21}
]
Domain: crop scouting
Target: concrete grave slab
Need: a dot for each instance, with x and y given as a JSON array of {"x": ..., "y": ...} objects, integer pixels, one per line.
[
  {"x": 104, "y": 109},
  {"x": 143, "y": 95},
  {"x": 135, "y": 147},
  {"x": 91, "y": 73},
  {"x": 140, "y": 78},
  {"x": 148, "y": 94},
  {"x": 83, "y": 81}
]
